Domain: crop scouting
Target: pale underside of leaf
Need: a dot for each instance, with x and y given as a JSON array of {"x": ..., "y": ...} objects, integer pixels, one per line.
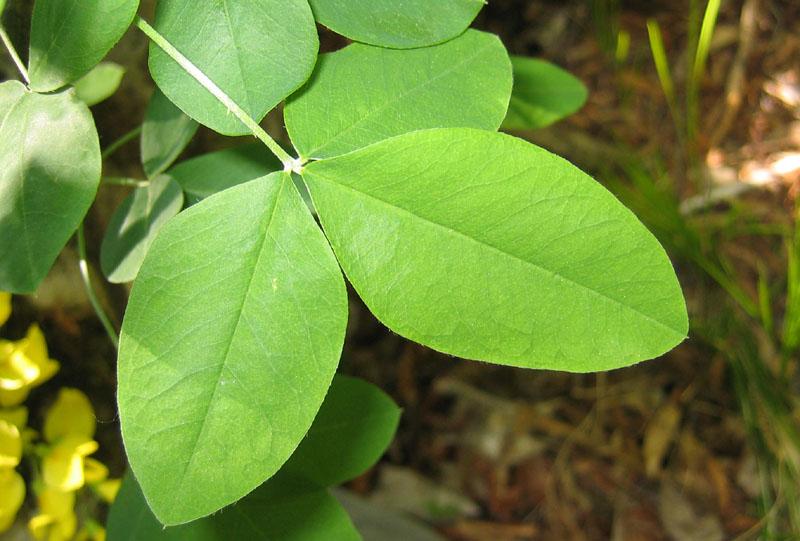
[
  {"x": 165, "y": 133},
  {"x": 135, "y": 224}
]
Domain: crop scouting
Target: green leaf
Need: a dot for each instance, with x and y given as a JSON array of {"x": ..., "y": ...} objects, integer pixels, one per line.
[
  {"x": 397, "y": 23},
  {"x": 230, "y": 340},
  {"x": 165, "y": 133},
  {"x": 217, "y": 171},
  {"x": 362, "y": 94},
  {"x": 353, "y": 428},
  {"x": 69, "y": 38},
  {"x": 543, "y": 93},
  {"x": 100, "y": 83},
  {"x": 257, "y": 52},
  {"x": 282, "y": 511},
  {"x": 377, "y": 523},
  {"x": 135, "y": 224},
  {"x": 484, "y": 246},
  {"x": 50, "y": 174}
]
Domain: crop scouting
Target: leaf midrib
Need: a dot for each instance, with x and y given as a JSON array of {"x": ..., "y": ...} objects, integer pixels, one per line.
[
  {"x": 538, "y": 266},
  {"x": 179, "y": 492}
]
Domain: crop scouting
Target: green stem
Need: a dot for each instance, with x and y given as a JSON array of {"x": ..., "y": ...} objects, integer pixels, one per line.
[
  {"x": 14, "y": 56},
  {"x": 83, "y": 265},
  {"x": 113, "y": 147},
  {"x": 217, "y": 92},
  {"x": 123, "y": 181}
]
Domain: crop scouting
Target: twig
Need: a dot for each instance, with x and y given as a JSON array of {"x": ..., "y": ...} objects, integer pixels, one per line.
[
  {"x": 124, "y": 181},
  {"x": 14, "y": 56},
  {"x": 289, "y": 163},
  {"x": 83, "y": 265},
  {"x": 113, "y": 147}
]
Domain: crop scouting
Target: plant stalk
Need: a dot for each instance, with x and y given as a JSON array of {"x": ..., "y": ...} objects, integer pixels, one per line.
[
  {"x": 217, "y": 92},
  {"x": 83, "y": 265},
  {"x": 14, "y": 56},
  {"x": 113, "y": 147},
  {"x": 124, "y": 181}
]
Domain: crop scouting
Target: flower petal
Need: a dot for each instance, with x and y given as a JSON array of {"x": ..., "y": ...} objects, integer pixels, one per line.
[
  {"x": 12, "y": 494},
  {"x": 56, "y": 503},
  {"x": 72, "y": 414},
  {"x": 18, "y": 370},
  {"x": 108, "y": 489},
  {"x": 63, "y": 470},
  {"x": 10, "y": 445},
  {"x": 63, "y": 467},
  {"x": 16, "y": 416},
  {"x": 13, "y": 398},
  {"x": 36, "y": 350},
  {"x": 94, "y": 471},
  {"x": 5, "y": 308}
]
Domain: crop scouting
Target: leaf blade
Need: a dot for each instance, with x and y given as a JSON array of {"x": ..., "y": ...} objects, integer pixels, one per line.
[
  {"x": 191, "y": 379},
  {"x": 215, "y": 171},
  {"x": 165, "y": 133},
  {"x": 234, "y": 44},
  {"x": 100, "y": 83},
  {"x": 512, "y": 255},
  {"x": 51, "y": 171},
  {"x": 267, "y": 513},
  {"x": 69, "y": 38},
  {"x": 361, "y": 94},
  {"x": 543, "y": 94},
  {"x": 397, "y": 23},
  {"x": 134, "y": 225},
  {"x": 351, "y": 431}
]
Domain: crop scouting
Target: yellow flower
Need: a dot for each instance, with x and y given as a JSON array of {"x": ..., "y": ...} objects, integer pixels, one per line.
[
  {"x": 12, "y": 494},
  {"x": 10, "y": 445},
  {"x": 91, "y": 531},
  {"x": 12, "y": 487},
  {"x": 63, "y": 467},
  {"x": 108, "y": 489},
  {"x": 5, "y": 306},
  {"x": 24, "y": 365},
  {"x": 72, "y": 414},
  {"x": 56, "y": 519},
  {"x": 69, "y": 426},
  {"x": 15, "y": 416}
]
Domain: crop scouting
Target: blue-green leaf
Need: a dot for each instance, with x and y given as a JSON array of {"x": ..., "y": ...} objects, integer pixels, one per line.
[
  {"x": 217, "y": 171},
  {"x": 135, "y": 224},
  {"x": 165, "y": 133},
  {"x": 277, "y": 510},
  {"x": 484, "y": 246},
  {"x": 230, "y": 340},
  {"x": 68, "y": 38},
  {"x": 363, "y": 94},
  {"x": 50, "y": 174}
]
